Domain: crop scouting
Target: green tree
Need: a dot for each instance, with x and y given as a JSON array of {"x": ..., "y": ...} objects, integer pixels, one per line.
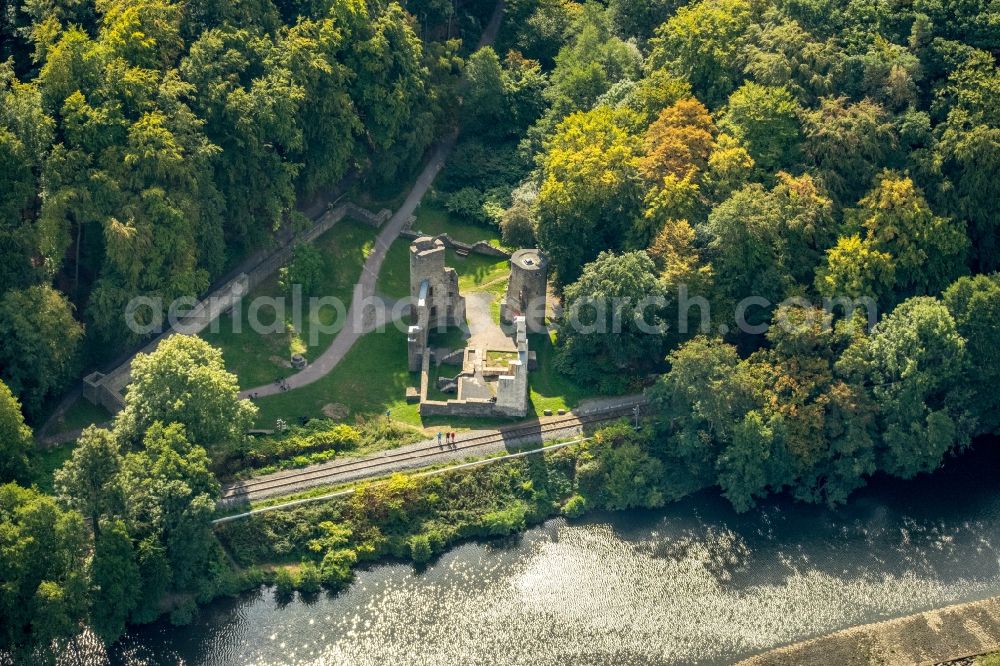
[
  {"x": 16, "y": 442},
  {"x": 615, "y": 470},
  {"x": 115, "y": 581},
  {"x": 590, "y": 194},
  {"x": 184, "y": 380},
  {"x": 390, "y": 90},
  {"x": 913, "y": 363},
  {"x": 928, "y": 251},
  {"x": 702, "y": 43},
  {"x": 26, "y": 133},
  {"x": 974, "y": 302},
  {"x": 306, "y": 269},
  {"x": 784, "y": 54},
  {"x": 855, "y": 269},
  {"x": 848, "y": 144},
  {"x": 171, "y": 500},
  {"x": 697, "y": 405},
  {"x": 766, "y": 242},
  {"x": 41, "y": 338},
  {"x": 612, "y": 329},
  {"x": 87, "y": 481},
  {"x": 312, "y": 51},
  {"x": 41, "y": 573},
  {"x": 765, "y": 119}
]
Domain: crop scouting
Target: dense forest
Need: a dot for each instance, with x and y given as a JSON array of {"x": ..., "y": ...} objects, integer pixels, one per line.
[
  {"x": 146, "y": 146},
  {"x": 792, "y": 151}
]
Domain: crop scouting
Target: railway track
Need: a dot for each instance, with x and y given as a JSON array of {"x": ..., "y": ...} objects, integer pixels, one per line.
[{"x": 367, "y": 467}]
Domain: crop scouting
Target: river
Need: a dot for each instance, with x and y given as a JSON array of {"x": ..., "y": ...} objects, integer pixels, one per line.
[{"x": 692, "y": 583}]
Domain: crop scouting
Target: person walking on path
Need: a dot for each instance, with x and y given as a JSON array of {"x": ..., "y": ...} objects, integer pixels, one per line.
[{"x": 439, "y": 438}]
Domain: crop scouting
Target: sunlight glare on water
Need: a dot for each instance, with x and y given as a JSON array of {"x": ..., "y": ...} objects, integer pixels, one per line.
[{"x": 693, "y": 583}]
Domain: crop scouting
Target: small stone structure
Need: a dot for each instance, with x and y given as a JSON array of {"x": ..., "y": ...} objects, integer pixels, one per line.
[
  {"x": 526, "y": 289},
  {"x": 434, "y": 295}
]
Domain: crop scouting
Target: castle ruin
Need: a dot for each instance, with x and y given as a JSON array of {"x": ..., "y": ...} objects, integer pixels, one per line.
[{"x": 492, "y": 382}]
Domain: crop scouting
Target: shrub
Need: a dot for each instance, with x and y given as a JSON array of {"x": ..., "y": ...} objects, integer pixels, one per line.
[
  {"x": 336, "y": 569},
  {"x": 420, "y": 548},
  {"x": 284, "y": 583},
  {"x": 306, "y": 268},
  {"x": 575, "y": 506},
  {"x": 184, "y": 614},
  {"x": 309, "y": 578},
  {"x": 467, "y": 204},
  {"x": 505, "y": 521}
]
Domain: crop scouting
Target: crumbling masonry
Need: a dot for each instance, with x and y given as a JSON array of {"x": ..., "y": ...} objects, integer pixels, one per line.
[{"x": 491, "y": 383}]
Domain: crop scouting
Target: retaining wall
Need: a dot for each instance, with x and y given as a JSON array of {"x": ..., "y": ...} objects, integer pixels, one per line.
[{"x": 932, "y": 637}]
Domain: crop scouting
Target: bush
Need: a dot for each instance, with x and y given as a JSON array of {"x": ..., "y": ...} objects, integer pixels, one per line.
[
  {"x": 309, "y": 578},
  {"x": 284, "y": 583},
  {"x": 467, "y": 204},
  {"x": 420, "y": 548},
  {"x": 306, "y": 268},
  {"x": 184, "y": 614},
  {"x": 298, "y": 443},
  {"x": 336, "y": 569},
  {"x": 575, "y": 506},
  {"x": 505, "y": 521}
]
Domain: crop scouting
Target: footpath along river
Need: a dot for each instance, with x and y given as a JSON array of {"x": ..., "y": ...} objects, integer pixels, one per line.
[{"x": 692, "y": 583}]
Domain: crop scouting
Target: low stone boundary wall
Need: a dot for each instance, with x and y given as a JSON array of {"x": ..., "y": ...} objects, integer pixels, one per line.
[
  {"x": 364, "y": 215},
  {"x": 479, "y": 247},
  {"x": 473, "y": 408}
]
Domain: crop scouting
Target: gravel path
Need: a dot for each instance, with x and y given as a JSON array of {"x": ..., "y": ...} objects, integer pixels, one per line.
[{"x": 362, "y": 315}]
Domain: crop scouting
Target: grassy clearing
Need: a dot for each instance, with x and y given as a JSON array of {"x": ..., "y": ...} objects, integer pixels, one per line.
[
  {"x": 434, "y": 220},
  {"x": 80, "y": 415},
  {"x": 988, "y": 660},
  {"x": 371, "y": 379},
  {"x": 549, "y": 388},
  {"x": 500, "y": 358},
  {"x": 44, "y": 462},
  {"x": 477, "y": 271},
  {"x": 258, "y": 358},
  {"x": 394, "y": 278}
]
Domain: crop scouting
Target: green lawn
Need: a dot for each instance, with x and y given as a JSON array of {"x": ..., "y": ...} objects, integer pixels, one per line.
[
  {"x": 434, "y": 220},
  {"x": 80, "y": 415},
  {"x": 988, "y": 659},
  {"x": 549, "y": 388},
  {"x": 258, "y": 358},
  {"x": 44, "y": 462},
  {"x": 474, "y": 271},
  {"x": 394, "y": 278},
  {"x": 477, "y": 270},
  {"x": 371, "y": 379}
]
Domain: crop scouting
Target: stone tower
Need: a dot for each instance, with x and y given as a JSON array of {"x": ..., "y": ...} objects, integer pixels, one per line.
[
  {"x": 526, "y": 291},
  {"x": 434, "y": 297},
  {"x": 446, "y": 306}
]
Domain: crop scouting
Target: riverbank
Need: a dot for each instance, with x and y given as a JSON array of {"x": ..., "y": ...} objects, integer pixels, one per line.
[
  {"x": 933, "y": 637},
  {"x": 416, "y": 518},
  {"x": 693, "y": 581}
]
